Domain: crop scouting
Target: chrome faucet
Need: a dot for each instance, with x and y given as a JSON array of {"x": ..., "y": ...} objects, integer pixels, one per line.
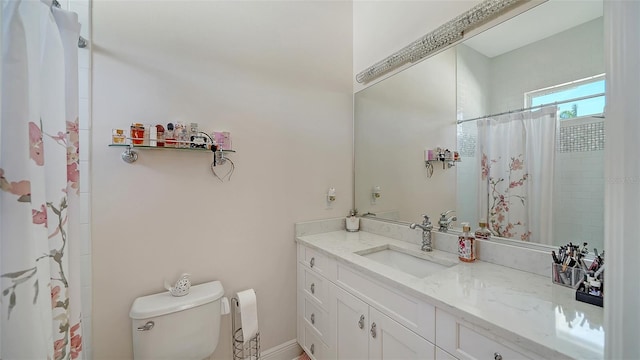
[
  {"x": 445, "y": 221},
  {"x": 426, "y": 232}
]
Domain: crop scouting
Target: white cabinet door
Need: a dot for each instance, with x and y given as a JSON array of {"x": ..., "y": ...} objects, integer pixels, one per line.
[
  {"x": 351, "y": 316},
  {"x": 390, "y": 340}
]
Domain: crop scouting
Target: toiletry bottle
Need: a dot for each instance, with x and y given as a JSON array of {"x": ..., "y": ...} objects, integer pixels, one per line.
[
  {"x": 118, "y": 137},
  {"x": 137, "y": 133},
  {"x": 466, "y": 244},
  {"x": 160, "y": 132},
  {"x": 482, "y": 232},
  {"x": 180, "y": 134},
  {"x": 151, "y": 135},
  {"x": 169, "y": 136}
]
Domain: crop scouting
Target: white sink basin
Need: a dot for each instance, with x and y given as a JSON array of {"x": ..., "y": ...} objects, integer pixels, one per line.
[{"x": 417, "y": 266}]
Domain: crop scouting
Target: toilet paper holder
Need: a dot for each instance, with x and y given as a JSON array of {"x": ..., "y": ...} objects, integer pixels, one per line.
[{"x": 240, "y": 351}]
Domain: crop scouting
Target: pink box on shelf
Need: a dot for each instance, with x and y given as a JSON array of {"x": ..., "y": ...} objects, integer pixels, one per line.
[{"x": 222, "y": 139}]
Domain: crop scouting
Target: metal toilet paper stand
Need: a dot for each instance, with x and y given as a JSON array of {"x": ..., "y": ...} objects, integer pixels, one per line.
[{"x": 240, "y": 351}]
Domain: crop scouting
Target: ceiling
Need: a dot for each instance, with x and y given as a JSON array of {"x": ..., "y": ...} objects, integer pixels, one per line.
[{"x": 545, "y": 20}]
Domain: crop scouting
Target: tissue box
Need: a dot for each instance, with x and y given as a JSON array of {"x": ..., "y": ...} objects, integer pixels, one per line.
[{"x": 571, "y": 276}]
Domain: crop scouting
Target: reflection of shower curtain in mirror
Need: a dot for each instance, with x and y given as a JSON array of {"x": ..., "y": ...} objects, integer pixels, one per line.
[{"x": 517, "y": 154}]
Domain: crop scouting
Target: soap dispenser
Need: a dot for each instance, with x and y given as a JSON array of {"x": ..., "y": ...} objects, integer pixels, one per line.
[
  {"x": 482, "y": 232},
  {"x": 466, "y": 244}
]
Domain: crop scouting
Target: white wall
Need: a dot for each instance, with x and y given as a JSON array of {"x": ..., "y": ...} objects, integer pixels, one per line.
[
  {"x": 277, "y": 75},
  {"x": 622, "y": 181}
]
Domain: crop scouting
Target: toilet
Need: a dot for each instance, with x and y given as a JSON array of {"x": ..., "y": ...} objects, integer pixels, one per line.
[{"x": 185, "y": 327}]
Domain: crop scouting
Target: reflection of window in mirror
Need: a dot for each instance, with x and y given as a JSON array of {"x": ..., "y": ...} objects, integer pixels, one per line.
[
  {"x": 576, "y": 99},
  {"x": 579, "y": 161}
]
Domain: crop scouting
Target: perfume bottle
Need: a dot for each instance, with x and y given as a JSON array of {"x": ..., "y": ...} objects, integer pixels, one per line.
[
  {"x": 160, "y": 132},
  {"x": 137, "y": 133},
  {"x": 118, "y": 136},
  {"x": 466, "y": 244},
  {"x": 169, "y": 136}
]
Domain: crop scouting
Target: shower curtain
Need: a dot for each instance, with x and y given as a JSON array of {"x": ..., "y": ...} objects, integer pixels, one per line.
[
  {"x": 39, "y": 179},
  {"x": 516, "y": 178}
]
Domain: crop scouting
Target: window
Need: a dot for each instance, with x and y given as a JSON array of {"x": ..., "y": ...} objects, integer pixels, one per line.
[{"x": 577, "y": 97}]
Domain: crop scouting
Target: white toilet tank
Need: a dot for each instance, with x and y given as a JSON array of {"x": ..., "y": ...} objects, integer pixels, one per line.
[{"x": 169, "y": 327}]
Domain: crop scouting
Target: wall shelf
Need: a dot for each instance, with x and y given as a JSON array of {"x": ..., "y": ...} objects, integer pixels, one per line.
[{"x": 130, "y": 155}]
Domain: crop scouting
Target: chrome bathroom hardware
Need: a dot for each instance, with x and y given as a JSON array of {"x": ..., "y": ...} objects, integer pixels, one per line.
[
  {"x": 240, "y": 351},
  {"x": 445, "y": 222},
  {"x": 443, "y": 155},
  {"x": 82, "y": 42},
  {"x": 373, "y": 330},
  {"x": 129, "y": 156},
  {"x": 361, "y": 322},
  {"x": 146, "y": 327},
  {"x": 220, "y": 159},
  {"x": 426, "y": 227},
  {"x": 535, "y": 107}
]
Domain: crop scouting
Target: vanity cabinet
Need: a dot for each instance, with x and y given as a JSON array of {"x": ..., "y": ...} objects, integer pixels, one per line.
[
  {"x": 363, "y": 332},
  {"x": 315, "y": 320},
  {"x": 342, "y": 314}
]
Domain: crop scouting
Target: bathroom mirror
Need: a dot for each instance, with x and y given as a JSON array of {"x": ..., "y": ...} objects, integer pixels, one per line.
[{"x": 527, "y": 60}]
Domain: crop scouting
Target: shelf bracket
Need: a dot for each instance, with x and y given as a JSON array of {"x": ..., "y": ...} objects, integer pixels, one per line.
[{"x": 129, "y": 155}]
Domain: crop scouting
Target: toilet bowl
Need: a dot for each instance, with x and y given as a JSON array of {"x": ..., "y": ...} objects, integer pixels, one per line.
[{"x": 169, "y": 327}]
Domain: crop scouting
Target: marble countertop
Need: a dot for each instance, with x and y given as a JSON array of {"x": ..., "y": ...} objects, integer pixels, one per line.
[{"x": 523, "y": 308}]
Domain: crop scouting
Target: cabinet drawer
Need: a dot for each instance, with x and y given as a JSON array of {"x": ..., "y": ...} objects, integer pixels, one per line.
[
  {"x": 416, "y": 315},
  {"x": 316, "y": 318},
  {"x": 314, "y": 347},
  {"x": 317, "y": 262},
  {"x": 313, "y": 286},
  {"x": 465, "y": 343}
]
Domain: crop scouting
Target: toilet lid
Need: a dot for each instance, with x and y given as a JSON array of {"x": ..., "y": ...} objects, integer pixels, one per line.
[{"x": 164, "y": 303}]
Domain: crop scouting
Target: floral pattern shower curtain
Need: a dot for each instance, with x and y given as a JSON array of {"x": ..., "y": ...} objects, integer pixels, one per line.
[
  {"x": 516, "y": 180},
  {"x": 39, "y": 179}
]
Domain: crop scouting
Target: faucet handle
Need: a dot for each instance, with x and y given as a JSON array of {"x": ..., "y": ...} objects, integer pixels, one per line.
[
  {"x": 425, "y": 220},
  {"x": 444, "y": 214}
]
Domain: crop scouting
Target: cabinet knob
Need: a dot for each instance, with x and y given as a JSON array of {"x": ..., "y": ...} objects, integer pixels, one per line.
[
  {"x": 497, "y": 356},
  {"x": 313, "y": 349},
  {"x": 313, "y": 288},
  {"x": 313, "y": 319},
  {"x": 361, "y": 322},
  {"x": 312, "y": 261},
  {"x": 373, "y": 330}
]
